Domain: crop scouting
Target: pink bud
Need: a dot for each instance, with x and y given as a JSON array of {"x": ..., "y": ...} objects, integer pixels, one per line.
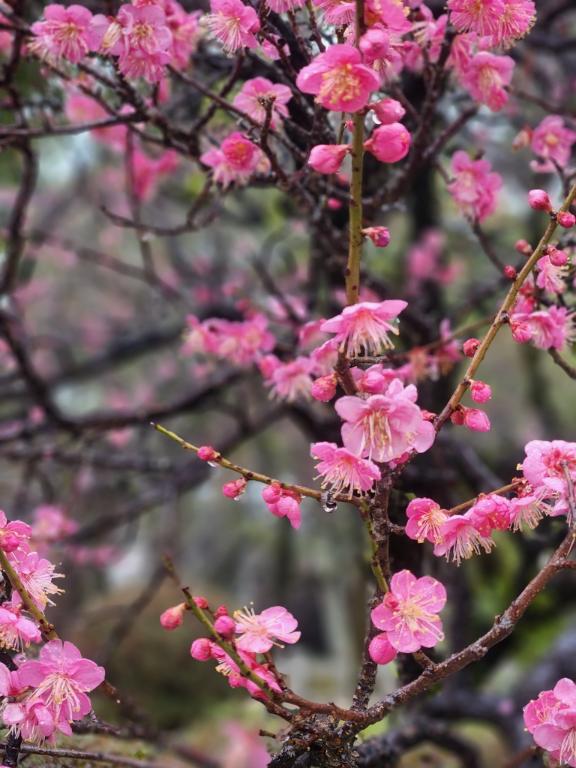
[
  {"x": 334, "y": 204},
  {"x": 225, "y": 626},
  {"x": 566, "y": 219},
  {"x": 523, "y": 247},
  {"x": 470, "y": 347},
  {"x": 510, "y": 272},
  {"x": 557, "y": 257},
  {"x": 389, "y": 143},
  {"x": 221, "y": 611},
  {"x": 173, "y": 617},
  {"x": 476, "y": 420},
  {"x": 388, "y": 111},
  {"x": 201, "y": 649},
  {"x": 324, "y": 388},
  {"x": 200, "y": 601},
  {"x": 272, "y": 493},
  {"x": 380, "y": 649},
  {"x": 207, "y": 453},
  {"x": 539, "y": 200},
  {"x": 380, "y": 236},
  {"x": 234, "y": 489},
  {"x": 480, "y": 391},
  {"x": 327, "y": 158},
  {"x": 457, "y": 417}
]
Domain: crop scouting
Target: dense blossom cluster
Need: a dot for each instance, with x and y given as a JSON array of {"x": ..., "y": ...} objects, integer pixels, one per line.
[{"x": 43, "y": 696}]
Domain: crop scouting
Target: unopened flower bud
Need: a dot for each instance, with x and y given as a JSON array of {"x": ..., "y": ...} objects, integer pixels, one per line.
[
  {"x": 327, "y": 158},
  {"x": 173, "y": 617},
  {"x": 558, "y": 258},
  {"x": 200, "y": 602},
  {"x": 480, "y": 391},
  {"x": 334, "y": 204},
  {"x": 566, "y": 219},
  {"x": 510, "y": 272},
  {"x": 388, "y": 111},
  {"x": 457, "y": 417},
  {"x": 201, "y": 649},
  {"x": 221, "y": 611},
  {"x": 381, "y": 650},
  {"x": 476, "y": 420},
  {"x": 539, "y": 200},
  {"x": 380, "y": 236},
  {"x": 207, "y": 453},
  {"x": 324, "y": 388},
  {"x": 470, "y": 347},
  {"x": 225, "y": 626},
  {"x": 234, "y": 489},
  {"x": 523, "y": 247}
]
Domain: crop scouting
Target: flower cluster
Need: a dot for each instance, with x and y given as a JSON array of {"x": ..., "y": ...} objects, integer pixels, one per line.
[
  {"x": 43, "y": 696},
  {"x": 239, "y": 641}
]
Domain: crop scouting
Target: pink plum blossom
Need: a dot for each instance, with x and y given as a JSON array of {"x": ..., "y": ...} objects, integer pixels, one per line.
[
  {"x": 292, "y": 380},
  {"x": 474, "y": 187},
  {"x": 237, "y": 160},
  {"x": 343, "y": 471},
  {"x": 233, "y": 23},
  {"x": 16, "y": 631},
  {"x": 258, "y": 89},
  {"x": 487, "y": 77},
  {"x": 549, "y": 328},
  {"x": 339, "y": 79},
  {"x": 425, "y": 519},
  {"x": 459, "y": 539},
  {"x": 63, "y": 33},
  {"x": 283, "y": 502},
  {"x": 61, "y": 678},
  {"x": 551, "y": 719},
  {"x": 364, "y": 328},
  {"x": 408, "y": 612},
  {"x": 13, "y": 534},
  {"x": 258, "y": 632},
  {"x": 384, "y": 427},
  {"x": 37, "y": 575},
  {"x": 552, "y": 142},
  {"x": 482, "y": 17}
]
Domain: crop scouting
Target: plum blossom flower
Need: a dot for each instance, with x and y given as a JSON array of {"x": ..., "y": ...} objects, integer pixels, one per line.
[
  {"x": 549, "y": 328},
  {"x": 474, "y": 187},
  {"x": 408, "y": 612},
  {"x": 552, "y": 142},
  {"x": 551, "y": 719},
  {"x": 258, "y": 632},
  {"x": 64, "y": 33},
  {"x": 459, "y": 539},
  {"x": 241, "y": 342},
  {"x": 526, "y": 510},
  {"x": 36, "y": 574},
  {"x": 234, "y": 24},
  {"x": 382, "y": 51},
  {"x": 364, "y": 328},
  {"x": 486, "y": 78},
  {"x": 384, "y": 427},
  {"x": 16, "y": 631},
  {"x": 551, "y": 278},
  {"x": 479, "y": 16},
  {"x": 425, "y": 519},
  {"x": 61, "y": 678},
  {"x": 337, "y": 12},
  {"x": 258, "y": 89},
  {"x": 516, "y": 21},
  {"x": 292, "y": 380},
  {"x": 547, "y": 467},
  {"x": 236, "y": 160},
  {"x": 339, "y": 79},
  {"x": 13, "y": 534},
  {"x": 342, "y": 470},
  {"x": 283, "y": 502}
]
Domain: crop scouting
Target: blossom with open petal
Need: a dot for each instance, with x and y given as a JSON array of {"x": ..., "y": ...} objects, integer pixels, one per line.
[
  {"x": 258, "y": 632},
  {"x": 342, "y": 470},
  {"x": 365, "y": 328},
  {"x": 408, "y": 612}
]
